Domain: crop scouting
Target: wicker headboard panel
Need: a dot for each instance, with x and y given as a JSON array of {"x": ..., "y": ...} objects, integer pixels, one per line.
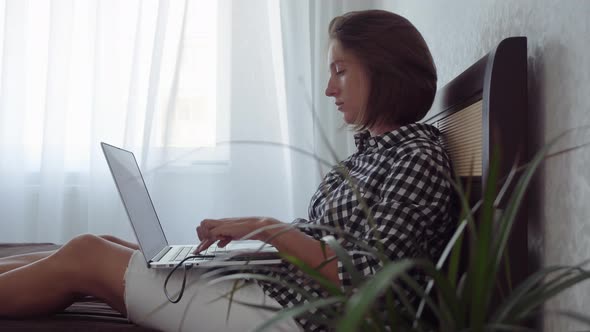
[
  {"x": 484, "y": 108},
  {"x": 462, "y": 139}
]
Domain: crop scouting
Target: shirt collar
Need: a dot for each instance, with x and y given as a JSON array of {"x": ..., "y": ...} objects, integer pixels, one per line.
[{"x": 365, "y": 142}]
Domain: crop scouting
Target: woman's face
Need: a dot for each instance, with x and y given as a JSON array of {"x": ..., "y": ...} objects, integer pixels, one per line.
[{"x": 348, "y": 83}]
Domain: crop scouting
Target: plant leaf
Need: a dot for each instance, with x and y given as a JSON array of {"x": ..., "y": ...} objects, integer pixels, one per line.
[
  {"x": 298, "y": 310},
  {"x": 585, "y": 319},
  {"x": 449, "y": 300},
  {"x": 332, "y": 288},
  {"x": 360, "y": 303},
  {"x": 521, "y": 290},
  {"x": 261, "y": 277},
  {"x": 515, "y": 200},
  {"x": 483, "y": 278},
  {"x": 345, "y": 259},
  {"x": 545, "y": 293}
]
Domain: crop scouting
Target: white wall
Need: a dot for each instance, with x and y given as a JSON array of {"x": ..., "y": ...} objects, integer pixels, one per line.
[{"x": 459, "y": 32}]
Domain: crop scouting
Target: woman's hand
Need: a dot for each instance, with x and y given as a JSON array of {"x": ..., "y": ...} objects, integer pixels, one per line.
[
  {"x": 229, "y": 229},
  {"x": 293, "y": 242}
]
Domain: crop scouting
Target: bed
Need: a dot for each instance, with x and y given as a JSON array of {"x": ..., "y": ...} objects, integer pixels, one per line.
[{"x": 483, "y": 107}]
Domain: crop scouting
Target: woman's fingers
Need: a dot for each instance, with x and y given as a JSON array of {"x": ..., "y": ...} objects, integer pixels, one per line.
[
  {"x": 204, "y": 245},
  {"x": 231, "y": 230},
  {"x": 204, "y": 229},
  {"x": 224, "y": 242},
  {"x": 200, "y": 233},
  {"x": 208, "y": 233},
  {"x": 206, "y": 226},
  {"x": 226, "y": 230}
]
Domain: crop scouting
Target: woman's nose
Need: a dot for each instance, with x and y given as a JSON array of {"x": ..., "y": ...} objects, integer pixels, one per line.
[{"x": 330, "y": 89}]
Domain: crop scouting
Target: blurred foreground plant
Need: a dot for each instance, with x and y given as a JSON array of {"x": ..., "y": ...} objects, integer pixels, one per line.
[{"x": 455, "y": 299}]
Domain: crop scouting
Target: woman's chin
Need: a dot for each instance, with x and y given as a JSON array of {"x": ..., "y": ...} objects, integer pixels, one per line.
[{"x": 349, "y": 119}]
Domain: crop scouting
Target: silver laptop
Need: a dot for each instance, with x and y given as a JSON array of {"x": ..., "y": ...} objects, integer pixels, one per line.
[{"x": 148, "y": 230}]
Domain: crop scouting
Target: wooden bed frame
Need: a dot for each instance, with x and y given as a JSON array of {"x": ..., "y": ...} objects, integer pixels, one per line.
[{"x": 482, "y": 109}]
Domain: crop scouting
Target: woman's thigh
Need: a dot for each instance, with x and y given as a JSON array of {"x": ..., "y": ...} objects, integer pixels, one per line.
[{"x": 202, "y": 308}]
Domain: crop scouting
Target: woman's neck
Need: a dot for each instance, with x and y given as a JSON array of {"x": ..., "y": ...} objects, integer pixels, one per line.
[{"x": 382, "y": 129}]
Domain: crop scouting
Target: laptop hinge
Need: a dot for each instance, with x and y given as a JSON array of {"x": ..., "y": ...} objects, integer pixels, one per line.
[{"x": 160, "y": 254}]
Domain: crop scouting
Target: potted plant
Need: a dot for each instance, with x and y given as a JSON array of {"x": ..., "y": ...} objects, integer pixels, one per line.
[{"x": 457, "y": 300}]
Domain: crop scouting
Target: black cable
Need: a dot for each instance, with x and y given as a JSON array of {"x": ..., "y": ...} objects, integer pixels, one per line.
[{"x": 186, "y": 268}]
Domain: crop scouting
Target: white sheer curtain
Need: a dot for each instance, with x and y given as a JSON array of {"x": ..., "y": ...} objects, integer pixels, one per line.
[{"x": 186, "y": 85}]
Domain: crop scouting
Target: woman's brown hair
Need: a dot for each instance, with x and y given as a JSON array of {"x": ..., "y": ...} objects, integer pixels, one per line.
[{"x": 401, "y": 71}]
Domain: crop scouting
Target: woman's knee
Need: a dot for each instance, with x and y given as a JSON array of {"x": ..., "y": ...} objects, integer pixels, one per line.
[
  {"x": 110, "y": 238},
  {"x": 81, "y": 248},
  {"x": 84, "y": 256},
  {"x": 73, "y": 262},
  {"x": 95, "y": 267},
  {"x": 114, "y": 239}
]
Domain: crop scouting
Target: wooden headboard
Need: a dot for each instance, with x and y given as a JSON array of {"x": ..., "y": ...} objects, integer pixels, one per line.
[{"x": 483, "y": 108}]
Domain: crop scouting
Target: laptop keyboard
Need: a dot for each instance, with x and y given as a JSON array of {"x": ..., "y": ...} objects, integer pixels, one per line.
[{"x": 184, "y": 252}]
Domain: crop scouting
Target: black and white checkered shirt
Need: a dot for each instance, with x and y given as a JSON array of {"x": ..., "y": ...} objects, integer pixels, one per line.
[{"x": 403, "y": 177}]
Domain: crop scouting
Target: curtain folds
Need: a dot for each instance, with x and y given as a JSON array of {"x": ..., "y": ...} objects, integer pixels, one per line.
[{"x": 215, "y": 98}]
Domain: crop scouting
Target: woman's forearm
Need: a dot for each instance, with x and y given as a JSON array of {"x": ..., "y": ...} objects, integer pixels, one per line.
[
  {"x": 309, "y": 250},
  {"x": 292, "y": 242}
]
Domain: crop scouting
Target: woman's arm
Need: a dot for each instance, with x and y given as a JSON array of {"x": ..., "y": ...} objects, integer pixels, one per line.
[{"x": 292, "y": 242}]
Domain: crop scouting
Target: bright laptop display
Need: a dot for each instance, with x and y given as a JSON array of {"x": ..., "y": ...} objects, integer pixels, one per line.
[{"x": 146, "y": 225}]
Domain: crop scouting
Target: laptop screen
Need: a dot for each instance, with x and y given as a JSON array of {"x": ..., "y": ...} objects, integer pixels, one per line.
[{"x": 136, "y": 200}]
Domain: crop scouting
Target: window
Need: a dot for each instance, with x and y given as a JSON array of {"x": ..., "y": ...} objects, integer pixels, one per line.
[{"x": 197, "y": 118}]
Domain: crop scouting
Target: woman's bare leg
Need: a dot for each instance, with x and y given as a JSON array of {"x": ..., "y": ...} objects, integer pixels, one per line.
[
  {"x": 122, "y": 242},
  {"x": 87, "y": 265},
  {"x": 16, "y": 261}
]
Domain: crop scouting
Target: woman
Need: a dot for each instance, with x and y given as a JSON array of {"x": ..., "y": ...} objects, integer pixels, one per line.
[{"x": 383, "y": 80}]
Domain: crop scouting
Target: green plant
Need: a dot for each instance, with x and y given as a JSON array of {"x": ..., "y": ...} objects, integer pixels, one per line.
[{"x": 457, "y": 300}]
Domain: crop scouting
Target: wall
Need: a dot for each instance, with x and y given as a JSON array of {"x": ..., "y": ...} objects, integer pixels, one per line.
[{"x": 459, "y": 32}]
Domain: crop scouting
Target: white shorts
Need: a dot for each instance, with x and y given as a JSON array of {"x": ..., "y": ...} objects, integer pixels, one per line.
[{"x": 198, "y": 310}]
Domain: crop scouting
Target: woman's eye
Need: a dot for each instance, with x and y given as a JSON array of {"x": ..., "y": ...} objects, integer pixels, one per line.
[{"x": 340, "y": 72}]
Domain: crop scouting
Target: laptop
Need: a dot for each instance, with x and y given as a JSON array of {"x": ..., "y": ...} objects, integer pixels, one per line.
[{"x": 150, "y": 235}]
